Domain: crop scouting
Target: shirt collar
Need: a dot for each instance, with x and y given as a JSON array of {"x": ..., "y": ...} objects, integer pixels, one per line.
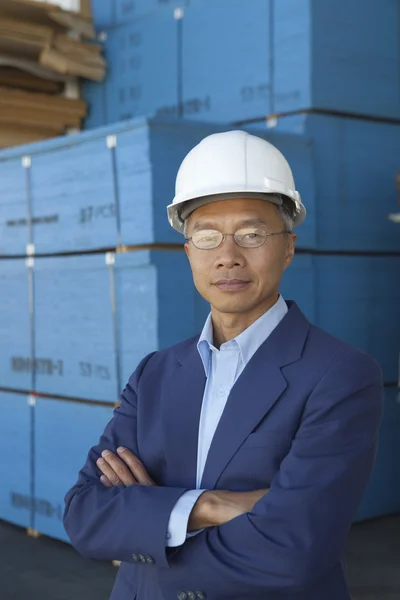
[{"x": 249, "y": 340}]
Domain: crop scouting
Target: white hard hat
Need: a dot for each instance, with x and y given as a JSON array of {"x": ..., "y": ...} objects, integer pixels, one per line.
[{"x": 230, "y": 165}]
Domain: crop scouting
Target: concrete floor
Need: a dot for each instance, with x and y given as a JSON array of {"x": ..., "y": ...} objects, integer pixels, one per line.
[
  {"x": 41, "y": 569},
  {"x": 373, "y": 560}
]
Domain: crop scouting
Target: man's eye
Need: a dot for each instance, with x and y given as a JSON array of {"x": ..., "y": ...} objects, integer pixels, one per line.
[{"x": 251, "y": 236}]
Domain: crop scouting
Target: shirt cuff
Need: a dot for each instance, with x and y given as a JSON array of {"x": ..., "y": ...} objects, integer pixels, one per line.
[{"x": 178, "y": 522}]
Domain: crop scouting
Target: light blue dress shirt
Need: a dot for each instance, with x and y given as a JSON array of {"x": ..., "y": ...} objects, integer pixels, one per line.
[{"x": 222, "y": 368}]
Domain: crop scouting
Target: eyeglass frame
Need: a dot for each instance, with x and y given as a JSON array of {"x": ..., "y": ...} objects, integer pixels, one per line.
[{"x": 224, "y": 235}]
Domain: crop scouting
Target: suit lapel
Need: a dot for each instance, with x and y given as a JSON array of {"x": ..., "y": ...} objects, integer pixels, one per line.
[
  {"x": 183, "y": 398},
  {"x": 252, "y": 396}
]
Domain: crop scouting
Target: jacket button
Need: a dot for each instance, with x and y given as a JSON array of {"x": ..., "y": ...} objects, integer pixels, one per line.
[
  {"x": 201, "y": 596},
  {"x": 142, "y": 558},
  {"x": 135, "y": 558},
  {"x": 182, "y": 596},
  {"x": 191, "y": 596},
  {"x": 150, "y": 560}
]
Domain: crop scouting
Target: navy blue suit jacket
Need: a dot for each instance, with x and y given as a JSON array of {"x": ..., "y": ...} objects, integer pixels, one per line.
[{"x": 302, "y": 420}]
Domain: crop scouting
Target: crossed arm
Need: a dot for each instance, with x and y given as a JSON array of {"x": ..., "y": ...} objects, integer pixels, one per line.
[{"x": 213, "y": 508}]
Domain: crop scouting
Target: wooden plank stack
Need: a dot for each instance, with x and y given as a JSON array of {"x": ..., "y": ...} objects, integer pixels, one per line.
[{"x": 43, "y": 49}]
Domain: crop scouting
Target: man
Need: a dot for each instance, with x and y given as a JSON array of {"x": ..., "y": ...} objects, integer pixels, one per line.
[{"x": 237, "y": 459}]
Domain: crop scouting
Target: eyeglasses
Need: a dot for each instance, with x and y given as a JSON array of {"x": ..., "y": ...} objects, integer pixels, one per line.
[{"x": 250, "y": 237}]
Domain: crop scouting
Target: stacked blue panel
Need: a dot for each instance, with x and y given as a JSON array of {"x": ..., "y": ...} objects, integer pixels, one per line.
[
  {"x": 283, "y": 56},
  {"x": 94, "y": 94},
  {"x": 298, "y": 284},
  {"x": 74, "y": 200},
  {"x": 358, "y": 300},
  {"x": 15, "y": 325},
  {"x": 108, "y": 13},
  {"x": 227, "y": 60},
  {"x": 344, "y": 168},
  {"x": 231, "y": 60},
  {"x": 15, "y": 446},
  {"x": 337, "y": 56},
  {"x": 143, "y": 67},
  {"x": 128, "y": 10},
  {"x": 355, "y": 166},
  {"x": 355, "y": 298},
  {"x": 76, "y": 337},
  {"x": 383, "y": 494},
  {"x": 13, "y": 204},
  {"x": 70, "y": 428},
  {"x": 103, "y": 13}
]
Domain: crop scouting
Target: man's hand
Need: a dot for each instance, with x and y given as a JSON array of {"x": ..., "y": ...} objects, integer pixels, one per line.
[
  {"x": 216, "y": 507},
  {"x": 125, "y": 469}
]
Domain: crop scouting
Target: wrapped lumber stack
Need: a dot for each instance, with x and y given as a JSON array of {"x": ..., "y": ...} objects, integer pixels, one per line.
[{"x": 44, "y": 49}]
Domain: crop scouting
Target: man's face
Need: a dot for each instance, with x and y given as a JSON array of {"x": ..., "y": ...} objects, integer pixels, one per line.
[{"x": 257, "y": 271}]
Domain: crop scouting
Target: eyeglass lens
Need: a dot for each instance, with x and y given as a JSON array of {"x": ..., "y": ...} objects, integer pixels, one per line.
[{"x": 211, "y": 238}]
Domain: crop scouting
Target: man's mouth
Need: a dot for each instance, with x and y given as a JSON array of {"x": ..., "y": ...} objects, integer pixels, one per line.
[{"x": 232, "y": 285}]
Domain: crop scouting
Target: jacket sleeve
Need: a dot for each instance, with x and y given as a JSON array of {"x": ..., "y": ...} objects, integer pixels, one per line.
[
  {"x": 179, "y": 519},
  {"x": 296, "y": 533},
  {"x": 116, "y": 523}
]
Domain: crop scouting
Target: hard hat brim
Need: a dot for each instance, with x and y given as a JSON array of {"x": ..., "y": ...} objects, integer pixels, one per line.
[{"x": 180, "y": 210}]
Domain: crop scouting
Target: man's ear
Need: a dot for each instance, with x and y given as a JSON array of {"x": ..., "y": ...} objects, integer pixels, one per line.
[
  {"x": 290, "y": 249},
  {"x": 187, "y": 250}
]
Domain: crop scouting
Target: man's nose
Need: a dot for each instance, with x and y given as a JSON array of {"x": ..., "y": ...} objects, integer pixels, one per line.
[{"x": 229, "y": 253}]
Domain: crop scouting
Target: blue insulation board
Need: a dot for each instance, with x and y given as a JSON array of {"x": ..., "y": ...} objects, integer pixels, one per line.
[
  {"x": 185, "y": 68},
  {"x": 76, "y": 338},
  {"x": 355, "y": 165},
  {"x": 103, "y": 13},
  {"x": 340, "y": 56},
  {"x": 78, "y": 186},
  {"x": 277, "y": 56},
  {"x": 64, "y": 434},
  {"x": 13, "y": 205},
  {"x": 129, "y": 10},
  {"x": 227, "y": 60},
  {"x": 94, "y": 94},
  {"x": 383, "y": 494},
  {"x": 75, "y": 185},
  {"x": 355, "y": 298},
  {"x": 15, "y": 325},
  {"x": 142, "y": 75},
  {"x": 231, "y": 60},
  {"x": 15, "y": 446},
  {"x": 108, "y": 13}
]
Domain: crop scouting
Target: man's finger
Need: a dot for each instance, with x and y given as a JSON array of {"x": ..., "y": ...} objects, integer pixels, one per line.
[
  {"x": 105, "y": 481},
  {"x": 108, "y": 472},
  {"x": 136, "y": 466},
  {"x": 115, "y": 469}
]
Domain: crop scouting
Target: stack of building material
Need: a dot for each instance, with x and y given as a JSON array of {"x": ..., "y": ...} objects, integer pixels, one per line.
[
  {"x": 236, "y": 61},
  {"x": 78, "y": 316},
  {"x": 70, "y": 355},
  {"x": 31, "y": 116},
  {"x": 95, "y": 276},
  {"x": 42, "y": 49}
]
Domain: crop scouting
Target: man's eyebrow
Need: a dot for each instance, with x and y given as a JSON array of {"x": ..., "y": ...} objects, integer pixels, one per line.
[
  {"x": 203, "y": 225},
  {"x": 246, "y": 223}
]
